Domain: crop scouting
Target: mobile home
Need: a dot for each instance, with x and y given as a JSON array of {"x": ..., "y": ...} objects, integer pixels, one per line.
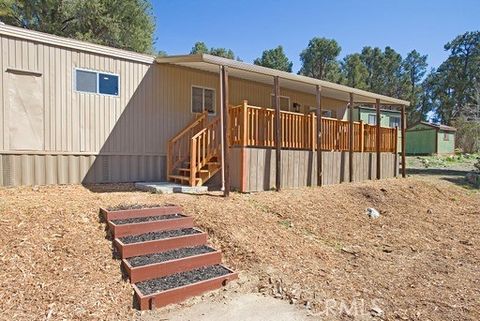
[{"x": 74, "y": 112}]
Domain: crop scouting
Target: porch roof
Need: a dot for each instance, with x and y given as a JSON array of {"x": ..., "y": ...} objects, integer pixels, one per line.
[{"x": 288, "y": 80}]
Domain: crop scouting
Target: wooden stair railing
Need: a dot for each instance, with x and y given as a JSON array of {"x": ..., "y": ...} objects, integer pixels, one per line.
[
  {"x": 205, "y": 147},
  {"x": 179, "y": 146}
]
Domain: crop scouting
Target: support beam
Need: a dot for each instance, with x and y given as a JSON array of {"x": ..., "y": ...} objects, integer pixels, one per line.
[
  {"x": 319, "y": 136},
  {"x": 350, "y": 153},
  {"x": 278, "y": 134},
  {"x": 404, "y": 126},
  {"x": 226, "y": 149},
  {"x": 377, "y": 142}
]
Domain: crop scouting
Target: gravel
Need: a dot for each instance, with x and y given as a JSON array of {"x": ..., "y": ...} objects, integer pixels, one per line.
[
  {"x": 146, "y": 219},
  {"x": 137, "y": 206},
  {"x": 157, "y": 235},
  {"x": 168, "y": 256},
  {"x": 181, "y": 279}
]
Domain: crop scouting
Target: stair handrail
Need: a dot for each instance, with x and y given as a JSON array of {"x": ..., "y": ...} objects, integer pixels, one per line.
[
  {"x": 204, "y": 145},
  {"x": 199, "y": 121}
]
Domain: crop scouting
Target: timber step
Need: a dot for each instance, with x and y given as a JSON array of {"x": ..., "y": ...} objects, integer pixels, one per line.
[{"x": 166, "y": 258}]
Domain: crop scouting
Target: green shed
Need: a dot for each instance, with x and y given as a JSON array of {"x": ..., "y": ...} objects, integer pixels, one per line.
[{"x": 425, "y": 138}]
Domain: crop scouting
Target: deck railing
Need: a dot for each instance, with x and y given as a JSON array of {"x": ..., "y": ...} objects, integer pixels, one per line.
[
  {"x": 254, "y": 126},
  {"x": 179, "y": 146},
  {"x": 203, "y": 147}
]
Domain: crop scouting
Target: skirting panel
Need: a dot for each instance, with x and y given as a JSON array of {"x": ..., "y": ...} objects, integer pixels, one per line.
[
  {"x": 18, "y": 170},
  {"x": 299, "y": 168}
]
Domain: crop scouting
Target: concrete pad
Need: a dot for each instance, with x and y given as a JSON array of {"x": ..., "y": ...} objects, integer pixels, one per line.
[
  {"x": 169, "y": 188},
  {"x": 241, "y": 307}
]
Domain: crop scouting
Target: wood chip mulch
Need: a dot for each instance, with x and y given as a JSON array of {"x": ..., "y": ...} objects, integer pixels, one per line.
[{"x": 419, "y": 261}]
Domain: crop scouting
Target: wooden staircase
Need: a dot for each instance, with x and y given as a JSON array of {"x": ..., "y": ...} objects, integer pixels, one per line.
[
  {"x": 165, "y": 257},
  {"x": 194, "y": 154}
]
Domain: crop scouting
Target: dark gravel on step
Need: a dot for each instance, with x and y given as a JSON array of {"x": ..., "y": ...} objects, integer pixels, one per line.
[
  {"x": 168, "y": 256},
  {"x": 157, "y": 235},
  {"x": 137, "y": 206},
  {"x": 181, "y": 279},
  {"x": 146, "y": 219}
]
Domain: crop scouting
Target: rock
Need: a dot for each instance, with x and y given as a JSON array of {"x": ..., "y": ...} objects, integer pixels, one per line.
[
  {"x": 373, "y": 213},
  {"x": 376, "y": 312}
]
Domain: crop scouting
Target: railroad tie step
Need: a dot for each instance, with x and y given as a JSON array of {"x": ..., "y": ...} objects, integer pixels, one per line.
[{"x": 165, "y": 256}]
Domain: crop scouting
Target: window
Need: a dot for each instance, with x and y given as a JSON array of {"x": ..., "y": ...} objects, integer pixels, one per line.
[
  {"x": 203, "y": 99},
  {"x": 284, "y": 102},
  {"x": 446, "y": 137},
  {"x": 96, "y": 82},
  {"x": 372, "y": 119},
  {"x": 325, "y": 112},
  {"x": 394, "y": 122}
]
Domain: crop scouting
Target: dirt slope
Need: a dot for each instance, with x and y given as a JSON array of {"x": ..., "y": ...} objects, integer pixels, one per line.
[{"x": 316, "y": 247}]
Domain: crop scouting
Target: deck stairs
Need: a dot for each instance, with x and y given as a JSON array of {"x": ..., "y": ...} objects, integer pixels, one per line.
[
  {"x": 166, "y": 258},
  {"x": 194, "y": 154}
]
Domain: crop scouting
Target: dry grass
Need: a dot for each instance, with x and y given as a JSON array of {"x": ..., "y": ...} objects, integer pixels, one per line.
[{"x": 419, "y": 260}]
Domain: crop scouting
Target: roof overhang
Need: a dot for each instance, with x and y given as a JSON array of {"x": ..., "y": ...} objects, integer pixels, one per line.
[
  {"x": 41, "y": 37},
  {"x": 288, "y": 80}
]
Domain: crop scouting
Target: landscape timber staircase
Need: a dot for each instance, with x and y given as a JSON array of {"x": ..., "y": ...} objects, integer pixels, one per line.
[
  {"x": 166, "y": 258},
  {"x": 194, "y": 154}
]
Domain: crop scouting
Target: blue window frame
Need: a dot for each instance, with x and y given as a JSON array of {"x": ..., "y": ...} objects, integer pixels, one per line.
[{"x": 90, "y": 81}]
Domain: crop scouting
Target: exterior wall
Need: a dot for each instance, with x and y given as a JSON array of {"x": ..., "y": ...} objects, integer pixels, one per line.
[
  {"x": 446, "y": 146},
  {"x": 385, "y": 115},
  {"x": 421, "y": 140},
  {"x": 299, "y": 168},
  {"x": 88, "y": 138}
]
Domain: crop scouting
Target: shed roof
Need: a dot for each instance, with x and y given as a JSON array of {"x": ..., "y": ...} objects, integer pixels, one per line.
[
  {"x": 436, "y": 126},
  {"x": 287, "y": 80}
]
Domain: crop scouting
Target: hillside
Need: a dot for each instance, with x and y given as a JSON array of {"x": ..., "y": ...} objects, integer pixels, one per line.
[{"x": 311, "y": 246}]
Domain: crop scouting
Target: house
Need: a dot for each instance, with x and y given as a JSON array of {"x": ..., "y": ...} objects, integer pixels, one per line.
[
  {"x": 425, "y": 138},
  {"x": 388, "y": 117},
  {"x": 76, "y": 112}
]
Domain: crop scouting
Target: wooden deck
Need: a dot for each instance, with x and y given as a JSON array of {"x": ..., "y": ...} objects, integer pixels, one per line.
[{"x": 253, "y": 126}]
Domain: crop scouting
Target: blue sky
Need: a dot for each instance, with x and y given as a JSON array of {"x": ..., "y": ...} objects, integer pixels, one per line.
[{"x": 249, "y": 27}]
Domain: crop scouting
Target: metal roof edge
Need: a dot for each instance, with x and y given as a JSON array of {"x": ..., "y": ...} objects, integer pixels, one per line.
[
  {"x": 54, "y": 40},
  {"x": 273, "y": 72}
]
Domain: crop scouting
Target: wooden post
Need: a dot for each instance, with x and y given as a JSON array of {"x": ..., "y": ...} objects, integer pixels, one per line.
[
  {"x": 351, "y": 140},
  {"x": 362, "y": 136},
  {"x": 319, "y": 136},
  {"x": 244, "y": 128},
  {"x": 396, "y": 152},
  {"x": 377, "y": 143},
  {"x": 226, "y": 147},
  {"x": 313, "y": 133},
  {"x": 278, "y": 134},
  {"x": 404, "y": 125}
]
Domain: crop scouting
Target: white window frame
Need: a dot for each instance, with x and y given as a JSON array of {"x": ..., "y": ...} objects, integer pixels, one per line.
[
  {"x": 289, "y": 104},
  {"x": 375, "y": 120},
  {"x": 203, "y": 99},
  {"x": 97, "y": 72},
  {"x": 390, "y": 121},
  {"x": 324, "y": 110}
]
